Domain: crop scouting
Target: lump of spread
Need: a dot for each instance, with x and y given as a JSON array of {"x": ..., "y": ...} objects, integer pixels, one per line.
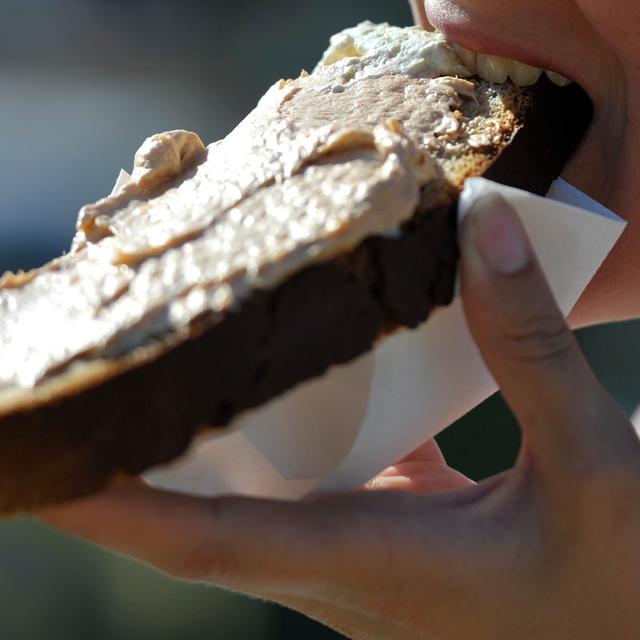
[
  {"x": 323, "y": 162},
  {"x": 370, "y": 49}
]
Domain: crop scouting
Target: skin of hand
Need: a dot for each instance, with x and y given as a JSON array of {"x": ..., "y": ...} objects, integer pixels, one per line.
[
  {"x": 597, "y": 44},
  {"x": 547, "y": 550}
]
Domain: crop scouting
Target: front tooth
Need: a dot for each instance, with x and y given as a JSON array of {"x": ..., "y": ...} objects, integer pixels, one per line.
[
  {"x": 524, "y": 75},
  {"x": 493, "y": 68},
  {"x": 468, "y": 58},
  {"x": 556, "y": 78}
]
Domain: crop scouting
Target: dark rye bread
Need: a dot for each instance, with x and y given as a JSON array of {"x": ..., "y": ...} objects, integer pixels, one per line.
[{"x": 75, "y": 442}]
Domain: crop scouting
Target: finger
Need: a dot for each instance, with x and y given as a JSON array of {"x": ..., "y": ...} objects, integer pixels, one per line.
[
  {"x": 239, "y": 543},
  {"x": 526, "y": 344},
  {"x": 252, "y": 546},
  {"x": 427, "y": 452},
  {"x": 422, "y": 471},
  {"x": 421, "y": 478},
  {"x": 419, "y": 14}
]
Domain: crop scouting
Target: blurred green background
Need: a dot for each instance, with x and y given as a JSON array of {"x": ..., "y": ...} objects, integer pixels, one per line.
[{"x": 83, "y": 83}]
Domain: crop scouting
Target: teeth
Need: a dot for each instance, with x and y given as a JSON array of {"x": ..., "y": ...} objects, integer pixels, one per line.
[
  {"x": 493, "y": 68},
  {"x": 556, "y": 78},
  {"x": 525, "y": 75},
  {"x": 469, "y": 58},
  {"x": 498, "y": 69}
]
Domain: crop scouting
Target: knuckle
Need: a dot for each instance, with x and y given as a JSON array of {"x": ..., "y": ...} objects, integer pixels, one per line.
[
  {"x": 206, "y": 563},
  {"x": 540, "y": 337},
  {"x": 210, "y": 558}
]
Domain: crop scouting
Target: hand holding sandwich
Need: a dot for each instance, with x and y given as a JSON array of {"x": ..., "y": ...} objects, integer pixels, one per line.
[{"x": 548, "y": 549}]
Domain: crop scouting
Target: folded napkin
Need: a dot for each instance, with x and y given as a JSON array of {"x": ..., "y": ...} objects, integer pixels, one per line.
[{"x": 338, "y": 431}]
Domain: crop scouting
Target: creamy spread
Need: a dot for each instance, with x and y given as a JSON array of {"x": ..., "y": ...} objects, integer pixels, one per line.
[
  {"x": 323, "y": 162},
  {"x": 369, "y": 50}
]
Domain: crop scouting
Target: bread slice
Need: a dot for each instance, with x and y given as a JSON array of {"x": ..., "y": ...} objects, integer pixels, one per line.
[{"x": 222, "y": 276}]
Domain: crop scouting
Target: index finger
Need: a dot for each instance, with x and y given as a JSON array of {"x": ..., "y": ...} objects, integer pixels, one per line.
[
  {"x": 254, "y": 546},
  {"x": 240, "y": 543}
]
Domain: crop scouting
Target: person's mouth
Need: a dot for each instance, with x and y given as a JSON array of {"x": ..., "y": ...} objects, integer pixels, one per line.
[
  {"x": 497, "y": 60},
  {"x": 496, "y": 55},
  {"x": 498, "y": 69},
  {"x": 529, "y": 41}
]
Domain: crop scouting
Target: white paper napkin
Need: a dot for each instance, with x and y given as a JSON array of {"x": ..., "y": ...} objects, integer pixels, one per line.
[{"x": 337, "y": 432}]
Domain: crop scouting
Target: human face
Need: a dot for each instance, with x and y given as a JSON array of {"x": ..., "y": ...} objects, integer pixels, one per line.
[{"x": 596, "y": 43}]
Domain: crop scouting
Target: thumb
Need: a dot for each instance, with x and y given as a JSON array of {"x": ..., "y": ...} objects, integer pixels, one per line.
[{"x": 527, "y": 345}]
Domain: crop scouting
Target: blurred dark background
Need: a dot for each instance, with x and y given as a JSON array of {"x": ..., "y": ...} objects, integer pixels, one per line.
[{"x": 83, "y": 82}]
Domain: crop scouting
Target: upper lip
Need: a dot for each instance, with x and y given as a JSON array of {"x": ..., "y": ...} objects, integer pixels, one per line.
[{"x": 499, "y": 45}]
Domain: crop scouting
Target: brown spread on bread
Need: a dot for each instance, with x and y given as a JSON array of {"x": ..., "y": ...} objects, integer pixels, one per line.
[{"x": 324, "y": 161}]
